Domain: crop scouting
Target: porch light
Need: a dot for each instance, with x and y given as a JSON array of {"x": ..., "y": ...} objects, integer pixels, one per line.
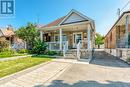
[{"x": 49, "y": 34}]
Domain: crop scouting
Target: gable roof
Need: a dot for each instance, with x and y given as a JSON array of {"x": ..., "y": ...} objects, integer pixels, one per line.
[
  {"x": 117, "y": 21},
  {"x": 61, "y": 20},
  {"x": 7, "y": 32},
  {"x": 54, "y": 23}
]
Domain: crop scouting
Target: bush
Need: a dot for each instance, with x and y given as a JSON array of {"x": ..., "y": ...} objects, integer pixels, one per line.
[
  {"x": 7, "y": 53},
  {"x": 51, "y": 53},
  {"x": 128, "y": 59},
  {"x": 23, "y": 51},
  {"x": 40, "y": 47}
]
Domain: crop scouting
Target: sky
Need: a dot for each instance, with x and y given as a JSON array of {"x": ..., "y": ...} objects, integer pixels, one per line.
[{"x": 104, "y": 12}]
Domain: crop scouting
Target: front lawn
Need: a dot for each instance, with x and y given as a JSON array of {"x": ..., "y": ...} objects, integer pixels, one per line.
[{"x": 13, "y": 66}]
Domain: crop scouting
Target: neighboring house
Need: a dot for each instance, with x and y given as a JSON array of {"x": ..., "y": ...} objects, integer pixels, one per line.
[
  {"x": 68, "y": 31},
  {"x": 117, "y": 40},
  {"x": 9, "y": 35}
]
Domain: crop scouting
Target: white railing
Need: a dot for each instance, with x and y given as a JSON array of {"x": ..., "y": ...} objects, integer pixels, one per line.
[
  {"x": 55, "y": 46},
  {"x": 78, "y": 50},
  {"x": 65, "y": 48}
]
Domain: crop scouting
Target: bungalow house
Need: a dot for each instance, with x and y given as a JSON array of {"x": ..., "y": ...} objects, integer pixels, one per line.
[
  {"x": 69, "y": 31},
  {"x": 117, "y": 40},
  {"x": 9, "y": 35}
]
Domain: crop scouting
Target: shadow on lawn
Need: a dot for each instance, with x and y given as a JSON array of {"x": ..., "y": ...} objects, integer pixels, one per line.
[{"x": 60, "y": 83}]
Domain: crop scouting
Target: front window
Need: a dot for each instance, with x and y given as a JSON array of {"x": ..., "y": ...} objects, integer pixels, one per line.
[{"x": 57, "y": 38}]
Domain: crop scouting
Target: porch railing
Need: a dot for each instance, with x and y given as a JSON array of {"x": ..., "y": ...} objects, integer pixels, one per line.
[
  {"x": 78, "y": 50},
  {"x": 65, "y": 48},
  {"x": 55, "y": 46}
]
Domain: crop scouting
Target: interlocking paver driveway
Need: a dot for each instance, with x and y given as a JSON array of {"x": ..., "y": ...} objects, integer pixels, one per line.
[{"x": 104, "y": 71}]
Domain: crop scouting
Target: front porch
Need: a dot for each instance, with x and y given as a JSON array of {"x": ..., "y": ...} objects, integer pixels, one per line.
[{"x": 69, "y": 36}]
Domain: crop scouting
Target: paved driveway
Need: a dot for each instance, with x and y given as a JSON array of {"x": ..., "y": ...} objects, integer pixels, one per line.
[{"x": 104, "y": 71}]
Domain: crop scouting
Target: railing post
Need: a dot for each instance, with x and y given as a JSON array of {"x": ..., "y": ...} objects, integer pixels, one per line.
[
  {"x": 64, "y": 49},
  {"x": 78, "y": 51},
  {"x": 60, "y": 39}
]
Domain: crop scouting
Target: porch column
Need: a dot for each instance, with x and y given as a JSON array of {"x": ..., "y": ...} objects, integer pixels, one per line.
[
  {"x": 41, "y": 35},
  {"x": 89, "y": 39},
  {"x": 60, "y": 39},
  {"x": 126, "y": 31}
]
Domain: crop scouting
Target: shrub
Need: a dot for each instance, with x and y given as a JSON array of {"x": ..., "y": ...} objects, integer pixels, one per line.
[
  {"x": 40, "y": 47},
  {"x": 51, "y": 52},
  {"x": 7, "y": 53},
  {"x": 128, "y": 59},
  {"x": 23, "y": 51}
]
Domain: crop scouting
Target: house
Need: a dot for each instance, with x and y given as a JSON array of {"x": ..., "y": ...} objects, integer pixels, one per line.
[
  {"x": 68, "y": 31},
  {"x": 9, "y": 35},
  {"x": 117, "y": 40}
]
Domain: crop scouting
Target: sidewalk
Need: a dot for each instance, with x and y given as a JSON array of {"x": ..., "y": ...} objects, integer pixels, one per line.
[
  {"x": 37, "y": 76},
  {"x": 14, "y": 58}
]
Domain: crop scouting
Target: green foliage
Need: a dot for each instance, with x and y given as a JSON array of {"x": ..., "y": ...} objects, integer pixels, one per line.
[
  {"x": 128, "y": 59},
  {"x": 23, "y": 51},
  {"x": 7, "y": 53},
  {"x": 4, "y": 44},
  {"x": 51, "y": 52},
  {"x": 99, "y": 39},
  {"x": 28, "y": 33},
  {"x": 40, "y": 47}
]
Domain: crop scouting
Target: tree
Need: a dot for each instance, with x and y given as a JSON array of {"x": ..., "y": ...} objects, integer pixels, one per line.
[
  {"x": 28, "y": 33},
  {"x": 3, "y": 44},
  {"x": 99, "y": 40}
]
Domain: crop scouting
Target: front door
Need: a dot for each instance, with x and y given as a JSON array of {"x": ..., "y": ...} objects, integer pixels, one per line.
[{"x": 76, "y": 38}]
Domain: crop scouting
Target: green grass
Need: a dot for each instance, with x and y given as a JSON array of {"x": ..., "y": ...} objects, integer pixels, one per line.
[
  {"x": 13, "y": 66},
  {"x": 9, "y": 56}
]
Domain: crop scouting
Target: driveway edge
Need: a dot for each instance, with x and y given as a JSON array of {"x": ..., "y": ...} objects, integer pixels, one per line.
[{"x": 20, "y": 73}]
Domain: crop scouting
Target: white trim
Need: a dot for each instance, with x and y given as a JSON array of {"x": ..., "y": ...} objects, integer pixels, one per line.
[
  {"x": 74, "y": 11},
  {"x": 60, "y": 31},
  {"x": 58, "y": 36},
  {"x": 74, "y": 45}
]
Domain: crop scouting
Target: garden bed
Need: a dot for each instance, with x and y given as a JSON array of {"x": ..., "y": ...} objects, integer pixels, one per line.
[{"x": 13, "y": 66}]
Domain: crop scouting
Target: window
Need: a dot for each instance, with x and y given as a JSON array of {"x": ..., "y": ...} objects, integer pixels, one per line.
[
  {"x": 56, "y": 38},
  {"x": 64, "y": 37}
]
